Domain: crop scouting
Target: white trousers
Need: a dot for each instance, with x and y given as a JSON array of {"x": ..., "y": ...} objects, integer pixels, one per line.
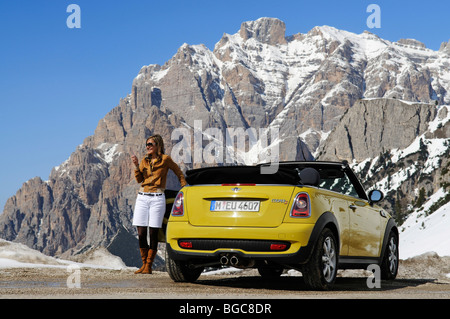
[{"x": 149, "y": 210}]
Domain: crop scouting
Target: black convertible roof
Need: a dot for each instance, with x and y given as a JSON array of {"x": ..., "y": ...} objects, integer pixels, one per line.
[
  {"x": 287, "y": 173},
  {"x": 240, "y": 174}
]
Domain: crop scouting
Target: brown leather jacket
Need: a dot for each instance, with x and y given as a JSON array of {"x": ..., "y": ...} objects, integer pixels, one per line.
[{"x": 153, "y": 176}]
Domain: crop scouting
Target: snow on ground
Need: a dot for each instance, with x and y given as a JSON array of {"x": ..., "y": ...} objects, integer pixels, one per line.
[
  {"x": 15, "y": 255},
  {"x": 420, "y": 233}
]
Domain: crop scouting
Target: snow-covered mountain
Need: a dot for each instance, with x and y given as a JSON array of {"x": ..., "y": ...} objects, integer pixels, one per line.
[
  {"x": 302, "y": 84},
  {"x": 331, "y": 93}
]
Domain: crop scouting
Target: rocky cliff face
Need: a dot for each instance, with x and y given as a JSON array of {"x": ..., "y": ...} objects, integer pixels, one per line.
[
  {"x": 375, "y": 126},
  {"x": 308, "y": 86}
]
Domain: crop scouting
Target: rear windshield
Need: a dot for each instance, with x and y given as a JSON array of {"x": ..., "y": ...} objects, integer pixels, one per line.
[{"x": 240, "y": 174}]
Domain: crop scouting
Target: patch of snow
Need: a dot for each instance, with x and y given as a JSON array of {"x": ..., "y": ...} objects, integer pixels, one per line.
[
  {"x": 292, "y": 273},
  {"x": 160, "y": 74},
  {"x": 395, "y": 180},
  {"x": 421, "y": 233},
  {"x": 15, "y": 255},
  {"x": 222, "y": 271},
  {"x": 109, "y": 151},
  {"x": 433, "y": 125},
  {"x": 101, "y": 257}
]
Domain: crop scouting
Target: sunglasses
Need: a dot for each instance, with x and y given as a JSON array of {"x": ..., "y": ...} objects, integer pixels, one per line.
[{"x": 150, "y": 144}]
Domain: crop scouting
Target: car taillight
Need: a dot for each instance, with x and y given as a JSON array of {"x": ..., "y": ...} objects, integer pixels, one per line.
[
  {"x": 178, "y": 206},
  {"x": 301, "y": 206}
]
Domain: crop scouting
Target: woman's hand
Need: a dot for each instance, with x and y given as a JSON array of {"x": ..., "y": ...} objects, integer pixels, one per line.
[{"x": 135, "y": 160}]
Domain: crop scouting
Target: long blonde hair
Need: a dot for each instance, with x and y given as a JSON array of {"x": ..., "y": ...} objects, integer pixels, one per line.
[{"x": 159, "y": 145}]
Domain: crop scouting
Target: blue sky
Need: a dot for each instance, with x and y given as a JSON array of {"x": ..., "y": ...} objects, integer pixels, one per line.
[{"x": 56, "y": 83}]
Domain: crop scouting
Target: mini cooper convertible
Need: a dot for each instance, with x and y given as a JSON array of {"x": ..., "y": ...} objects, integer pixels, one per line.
[{"x": 312, "y": 216}]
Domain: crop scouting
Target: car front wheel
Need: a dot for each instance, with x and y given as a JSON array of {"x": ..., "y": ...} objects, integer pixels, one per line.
[{"x": 320, "y": 271}]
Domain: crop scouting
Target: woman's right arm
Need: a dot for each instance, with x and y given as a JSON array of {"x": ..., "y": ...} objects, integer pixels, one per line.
[{"x": 137, "y": 172}]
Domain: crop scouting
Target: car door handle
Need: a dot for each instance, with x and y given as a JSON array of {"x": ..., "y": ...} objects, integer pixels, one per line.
[{"x": 352, "y": 206}]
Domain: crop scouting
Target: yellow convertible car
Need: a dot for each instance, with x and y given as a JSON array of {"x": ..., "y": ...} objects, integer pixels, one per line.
[{"x": 312, "y": 216}]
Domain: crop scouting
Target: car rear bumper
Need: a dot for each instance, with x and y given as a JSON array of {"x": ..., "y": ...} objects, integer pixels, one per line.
[{"x": 210, "y": 243}]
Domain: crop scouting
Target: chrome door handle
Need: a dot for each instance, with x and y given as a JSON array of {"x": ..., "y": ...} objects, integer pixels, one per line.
[{"x": 352, "y": 207}]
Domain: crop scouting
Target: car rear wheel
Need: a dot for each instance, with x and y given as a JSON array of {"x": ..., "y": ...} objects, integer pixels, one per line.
[
  {"x": 179, "y": 271},
  {"x": 389, "y": 265},
  {"x": 320, "y": 271}
]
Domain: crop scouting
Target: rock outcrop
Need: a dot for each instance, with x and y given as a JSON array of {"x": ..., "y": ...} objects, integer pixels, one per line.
[{"x": 375, "y": 126}]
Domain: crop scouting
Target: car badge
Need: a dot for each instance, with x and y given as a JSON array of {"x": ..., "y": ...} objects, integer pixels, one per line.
[
  {"x": 236, "y": 189},
  {"x": 279, "y": 201}
]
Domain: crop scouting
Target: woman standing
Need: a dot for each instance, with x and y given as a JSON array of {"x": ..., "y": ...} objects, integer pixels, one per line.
[{"x": 151, "y": 201}]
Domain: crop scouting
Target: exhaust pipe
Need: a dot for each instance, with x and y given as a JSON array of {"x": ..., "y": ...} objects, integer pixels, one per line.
[
  {"x": 242, "y": 263},
  {"x": 224, "y": 260},
  {"x": 234, "y": 261}
]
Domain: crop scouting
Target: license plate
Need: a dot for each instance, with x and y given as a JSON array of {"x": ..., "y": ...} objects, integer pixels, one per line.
[{"x": 234, "y": 206}]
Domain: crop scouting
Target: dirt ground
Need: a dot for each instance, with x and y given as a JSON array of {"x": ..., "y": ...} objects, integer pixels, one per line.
[{"x": 426, "y": 277}]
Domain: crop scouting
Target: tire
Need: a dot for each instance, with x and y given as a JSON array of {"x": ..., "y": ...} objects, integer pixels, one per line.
[
  {"x": 389, "y": 265},
  {"x": 179, "y": 271},
  {"x": 320, "y": 271}
]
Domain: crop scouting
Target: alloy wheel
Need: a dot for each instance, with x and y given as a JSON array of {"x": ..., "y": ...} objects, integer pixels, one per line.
[
  {"x": 393, "y": 260},
  {"x": 328, "y": 259}
]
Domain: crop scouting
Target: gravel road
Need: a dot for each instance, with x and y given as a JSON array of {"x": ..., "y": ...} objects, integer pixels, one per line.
[{"x": 422, "y": 277}]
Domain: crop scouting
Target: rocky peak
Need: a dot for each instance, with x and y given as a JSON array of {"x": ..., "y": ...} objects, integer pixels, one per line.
[
  {"x": 445, "y": 47},
  {"x": 265, "y": 30},
  {"x": 412, "y": 42}
]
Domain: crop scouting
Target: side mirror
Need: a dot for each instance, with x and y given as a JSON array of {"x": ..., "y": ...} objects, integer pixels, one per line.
[{"x": 375, "y": 196}]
